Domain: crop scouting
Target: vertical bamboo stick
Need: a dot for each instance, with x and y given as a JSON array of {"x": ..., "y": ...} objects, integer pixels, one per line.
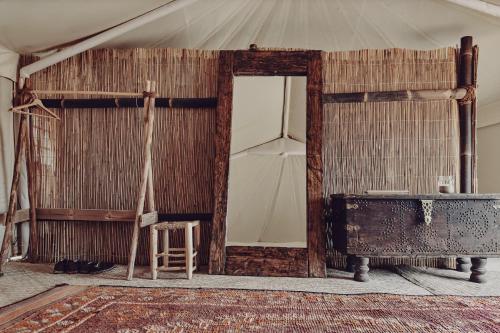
[
  {"x": 466, "y": 78},
  {"x": 20, "y": 149},
  {"x": 465, "y": 111},
  {"x": 33, "y": 238},
  {"x": 151, "y": 114}
]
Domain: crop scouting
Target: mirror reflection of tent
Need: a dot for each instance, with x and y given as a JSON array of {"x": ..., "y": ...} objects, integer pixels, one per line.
[{"x": 267, "y": 177}]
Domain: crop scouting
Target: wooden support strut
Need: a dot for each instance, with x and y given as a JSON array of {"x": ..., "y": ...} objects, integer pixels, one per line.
[
  {"x": 145, "y": 177},
  {"x": 465, "y": 115},
  {"x": 466, "y": 79},
  {"x": 392, "y": 96}
]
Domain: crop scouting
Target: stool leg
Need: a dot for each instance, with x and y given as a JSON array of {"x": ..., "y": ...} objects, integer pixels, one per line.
[
  {"x": 166, "y": 247},
  {"x": 153, "y": 250},
  {"x": 197, "y": 239},
  {"x": 188, "y": 248}
]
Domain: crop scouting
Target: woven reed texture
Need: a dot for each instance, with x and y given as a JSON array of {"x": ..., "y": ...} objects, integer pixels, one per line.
[
  {"x": 389, "y": 145},
  {"x": 92, "y": 158}
]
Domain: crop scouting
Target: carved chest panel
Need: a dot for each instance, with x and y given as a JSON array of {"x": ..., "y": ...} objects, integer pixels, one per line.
[{"x": 412, "y": 225}]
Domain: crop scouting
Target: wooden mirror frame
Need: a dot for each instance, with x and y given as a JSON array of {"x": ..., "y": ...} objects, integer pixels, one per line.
[{"x": 271, "y": 63}]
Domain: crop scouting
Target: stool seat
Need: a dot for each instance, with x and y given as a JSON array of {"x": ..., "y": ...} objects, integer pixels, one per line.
[{"x": 173, "y": 256}]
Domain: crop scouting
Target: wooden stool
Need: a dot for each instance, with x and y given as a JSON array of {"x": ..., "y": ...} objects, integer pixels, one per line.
[{"x": 185, "y": 255}]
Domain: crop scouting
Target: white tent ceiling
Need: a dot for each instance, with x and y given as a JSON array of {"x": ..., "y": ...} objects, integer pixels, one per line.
[{"x": 31, "y": 25}]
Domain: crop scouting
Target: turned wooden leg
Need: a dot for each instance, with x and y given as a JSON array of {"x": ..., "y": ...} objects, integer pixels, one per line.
[
  {"x": 463, "y": 264},
  {"x": 350, "y": 264},
  {"x": 361, "y": 269},
  {"x": 153, "y": 251},
  {"x": 478, "y": 270},
  {"x": 188, "y": 250}
]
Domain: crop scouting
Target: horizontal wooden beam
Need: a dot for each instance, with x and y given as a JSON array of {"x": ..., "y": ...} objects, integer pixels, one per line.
[
  {"x": 270, "y": 63},
  {"x": 393, "y": 96},
  {"x": 65, "y": 214},
  {"x": 96, "y": 103},
  {"x": 22, "y": 215}
]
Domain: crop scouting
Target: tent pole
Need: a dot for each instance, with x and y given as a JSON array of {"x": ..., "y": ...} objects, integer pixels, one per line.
[
  {"x": 101, "y": 38},
  {"x": 479, "y": 5}
]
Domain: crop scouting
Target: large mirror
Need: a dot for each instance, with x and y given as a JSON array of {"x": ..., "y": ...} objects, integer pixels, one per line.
[{"x": 267, "y": 171}]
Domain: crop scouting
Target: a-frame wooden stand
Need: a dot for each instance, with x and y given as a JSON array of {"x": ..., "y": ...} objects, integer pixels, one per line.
[{"x": 146, "y": 186}]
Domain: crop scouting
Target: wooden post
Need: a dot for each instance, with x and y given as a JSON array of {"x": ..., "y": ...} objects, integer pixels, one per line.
[
  {"x": 465, "y": 115},
  {"x": 32, "y": 197},
  {"x": 222, "y": 150},
  {"x": 20, "y": 150},
  {"x": 316, "y": 230},
  {"x": 144, "y": 180},
  {"x": 465, "y": 79},
  {"x": 150, "y": 115}
]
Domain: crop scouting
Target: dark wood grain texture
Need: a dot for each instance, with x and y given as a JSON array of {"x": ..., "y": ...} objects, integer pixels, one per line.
[
  {"x": 316, "y": 230},
  {"x": 266, "y": 261},
  {"x": 271, "y": 63},
  {"x": 394, "y": 227},
  {"x": 222, "y": 152}
]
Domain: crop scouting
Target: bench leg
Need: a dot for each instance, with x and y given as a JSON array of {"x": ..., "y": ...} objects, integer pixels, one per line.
[
  {"x": 361, "y": 269},
  {"x": 350, "y": 264},
  {"x": 478, "y": 269},
  {"x": 463, "y": 264},
  {"x": 188, "y": 230},
  {"x": 153, "y": 251}
]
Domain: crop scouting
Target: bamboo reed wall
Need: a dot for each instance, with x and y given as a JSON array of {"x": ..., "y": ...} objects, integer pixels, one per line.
[
  {"x": 389, "y": 145},
  {"x": 92, "y": 158}
]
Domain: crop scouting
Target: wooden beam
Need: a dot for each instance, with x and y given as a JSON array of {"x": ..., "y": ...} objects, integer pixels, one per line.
[
  {"x": 141, "y": 196},
  {"x": 32, "y": 195},
  {"x": 96, "y": 103},
  {"x": 316, "y": 230},
  {"x": 222, "y": 153},
  {"x": 465, "y": 115},
  {"x": 105, "y": 215},
  {"x": 61, "y": 214},
  {"x": 266, "y": 261},
  {"x": 270, "y": 63},
  {"x": 393, "y": 96},
  {"x": 20, "y": 216}
]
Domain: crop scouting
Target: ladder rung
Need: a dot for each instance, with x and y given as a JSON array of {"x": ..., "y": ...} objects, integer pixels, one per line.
[
  {"x": 175, "y": 255},
  {"x": 170, "y": 269}
]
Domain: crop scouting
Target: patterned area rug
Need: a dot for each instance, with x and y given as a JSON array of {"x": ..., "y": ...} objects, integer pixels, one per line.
[{"x": 154, "y": 310}]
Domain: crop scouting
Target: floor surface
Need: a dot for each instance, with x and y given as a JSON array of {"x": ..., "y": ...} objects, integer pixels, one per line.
[{"x": 23, "y": 280}]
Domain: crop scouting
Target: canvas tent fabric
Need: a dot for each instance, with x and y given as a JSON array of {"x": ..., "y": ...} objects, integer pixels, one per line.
[{"x": 34, "y": 26}]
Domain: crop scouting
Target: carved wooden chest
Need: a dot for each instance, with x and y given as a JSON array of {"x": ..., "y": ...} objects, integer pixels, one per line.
[{"x": 417, "y": 225}]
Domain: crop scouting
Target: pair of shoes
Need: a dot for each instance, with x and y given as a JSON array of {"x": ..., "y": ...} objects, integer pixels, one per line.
[
  {"x": 80, "y": 266},
  {"x": 66, "y": 266}
]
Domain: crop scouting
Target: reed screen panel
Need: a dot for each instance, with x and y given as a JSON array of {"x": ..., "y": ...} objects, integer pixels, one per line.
[
  {"x": 389, "y": 145},
  {"x": 92, "y": 158}
]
